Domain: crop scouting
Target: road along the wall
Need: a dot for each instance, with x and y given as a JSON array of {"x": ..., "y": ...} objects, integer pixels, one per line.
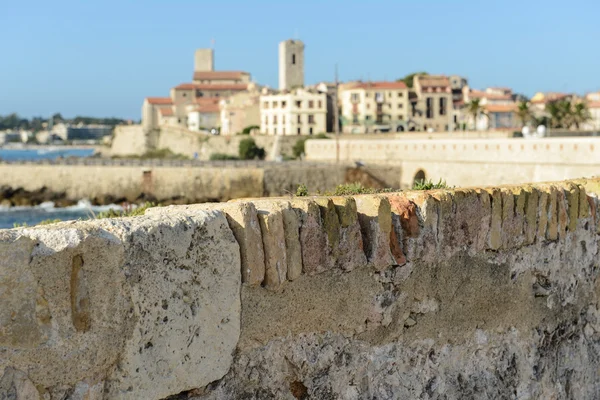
[
  {"x": 469, "y": 293},
  {"x": 468, "y": 162}
]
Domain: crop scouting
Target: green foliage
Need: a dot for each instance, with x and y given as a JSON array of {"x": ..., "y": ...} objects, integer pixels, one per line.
[
  {"x": 321, "y": 135},
  {"x": 302, "y": 190},
  {"x": 248, "y": 150},
  {"x": 351, "y": 189},
  {"x": 298, "y": 148},
  {"x": 44, "y": 222},
  {"x": 475, "y": 108},
  {"x": 166, "y": 154},
  {"x": 127, "y": 212},
  {"x": 409, "y": 79},
  {"x": 524, "y": 113},
  {"x": 429, "y": 185},
  {"x": 250, "y": 128},
  {"x": 566, "y": 113},
  {"x": 222, "y": 156}
]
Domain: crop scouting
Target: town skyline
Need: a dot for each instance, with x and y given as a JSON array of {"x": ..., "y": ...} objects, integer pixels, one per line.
[{"x": 109, "y": 56}]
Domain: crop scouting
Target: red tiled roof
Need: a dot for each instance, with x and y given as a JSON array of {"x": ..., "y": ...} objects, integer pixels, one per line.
[
  {"x": 210, "y": 86},
  {"x": 549, "y": 97},
  {"x": 160, "y": 100},
  {"x": 594, "y": 104},
  {"x": 166, "y": 112},
  {"x": 500, "y": 107},
  {"x": 380, "y": 85},
  {"x": 479, "y": 94},
  {"x": 219, "y": 75},
  {"x": 206, "y": 104},
  {"x": 433, "y": 81}
]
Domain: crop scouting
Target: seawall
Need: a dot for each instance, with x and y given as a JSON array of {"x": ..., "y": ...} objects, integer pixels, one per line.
[
  {"x": 471, "y": 162},
  {"x": 468, "y": 293},
  {"x": 185, "y": 181}
]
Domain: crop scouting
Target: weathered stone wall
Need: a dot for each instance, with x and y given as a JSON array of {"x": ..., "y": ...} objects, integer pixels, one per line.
[
  {"x": 448, "y": 294},
  {"x": 471, "y": 162}
]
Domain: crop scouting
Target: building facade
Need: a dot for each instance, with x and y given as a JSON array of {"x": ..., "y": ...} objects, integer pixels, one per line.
[
  {"x": 374, "y": 106},
  {"x": 498, "y": 109},
  {"x": 298, "y": 112},
  {"x": 240, "y": 110},
  {"x": 431, "y": 104},
  {"x": 291, "y": 64}
]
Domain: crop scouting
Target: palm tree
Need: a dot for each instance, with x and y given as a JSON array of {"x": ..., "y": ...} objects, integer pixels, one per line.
[
  {"x": 556, "y": 114},
  {"x": 524, "y": 113},
  {"x": 474, "y": 108}
]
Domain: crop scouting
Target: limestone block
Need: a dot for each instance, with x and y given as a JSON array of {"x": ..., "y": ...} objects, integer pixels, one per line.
[
  {"x": 584, "y": 209},
  {"x": 552, "y": 228},
  {"x": 542, "y": 215},
  {"x": 331, "y": 226},
  {"x": 563, "y": 212},
  {"x": 405, "y": 225},
  {"x": 512, "y": 217},
  {"x": 375, "y": 219},
  {"x": 472, "y": 216},
  {"x": 124, "y": 308},
  {"x": 291, "y": 227},
  {"x": 531, "y": 214},
  {"x": 273, "y": 237},
  {"x": 184, "y": 273},
  {"x": 243, "y": 221},
  {"x": 495, "y": 235},
  {"x": 351, "y": 249},
  {"x": 428, "y": 217},
  {"x": 313, "y": 240}
]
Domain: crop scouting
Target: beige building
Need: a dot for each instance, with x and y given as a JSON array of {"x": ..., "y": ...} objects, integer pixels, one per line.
[
  {"x": 297, "y": 112},
  {"x": 185, "y": 106},
  {"x": 240, "y": 110},
  {"x": 291, "y": 64},
  {"x": 593, "y": 104},
  {"x": 432, "y": 107},
  {"x": 499, "y": 109},
  {"x": 374, "y": 106}
]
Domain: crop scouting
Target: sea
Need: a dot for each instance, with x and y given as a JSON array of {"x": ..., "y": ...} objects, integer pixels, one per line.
[{"x": 30, "y": 216}]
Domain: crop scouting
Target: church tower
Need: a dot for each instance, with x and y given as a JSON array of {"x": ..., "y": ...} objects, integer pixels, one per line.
[{"x": 291, "y": 64}]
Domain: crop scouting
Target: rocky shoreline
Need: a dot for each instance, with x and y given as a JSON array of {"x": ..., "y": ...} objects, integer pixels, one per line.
[{"x": 19, "y": 197}]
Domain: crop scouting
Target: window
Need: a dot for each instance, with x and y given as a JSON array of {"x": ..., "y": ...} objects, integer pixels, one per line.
[
  {"x": 310, "y": 131},
  {"x": 355, "y": 119},
  {"x": 400, "y": 117},
  {"x": 298, "y": 131},
  {"x": 274, "y": 119},
  {"x": 293, "y": 59},
  {"x": 283, "y": 130},
  {"x": 299, "y": 119},
  {"x": 199, "y": 93},
  {"x": 266, "y": 104},
  {"x": 400, "y": 105},
  {"x": 275, "y": 131},
  {"x": 299, "y": 103},
  {"x": 320, "y": 104},
  {"x": 379, "y": 97},
  {"x": 275, "y": 104},
  {"x": 311, "y": 119},
  {"x": 283, "y": 104},
  {"x": 367, "y": 117},
  {"x": 429, "y": 108},
  {"x": 443, "y": 101},
  {"x": 355, "y": 97},
  {"x": 400, "y": 94},
  {"x": 389, "y": 94},
  {"x": 184, "y": 94},
  {"x": 311, "y": 104},
  {"x": 283, "y": 119},
  {"x": 368, "y": 105}
]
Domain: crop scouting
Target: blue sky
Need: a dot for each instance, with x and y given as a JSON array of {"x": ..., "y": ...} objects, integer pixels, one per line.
[{"x": 101, "y": 58}]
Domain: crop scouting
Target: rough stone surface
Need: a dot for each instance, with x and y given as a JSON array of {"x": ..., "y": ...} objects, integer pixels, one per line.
[
  {"x": 312, "y": 236},
  {"x": 273, "y": 238},
  {"x": 375, "y": 218},
  {"x": 131, "y": 308},
  {"x": 351, "y": 248}
]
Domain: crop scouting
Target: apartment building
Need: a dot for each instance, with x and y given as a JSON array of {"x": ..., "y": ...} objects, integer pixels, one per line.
[
  {"x": 296, "y": 112},
  {"x": 498, "y": 106},
  {"x": 431, "y": 104},
  {"x": 240, "y": 110},
  {"x": 374, "y": 107}
]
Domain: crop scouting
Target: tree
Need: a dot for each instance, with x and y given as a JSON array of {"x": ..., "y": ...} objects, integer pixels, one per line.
[
  {"x": 523, "y": 113},
  {"x": 474, "y": 108},
  {"x": 248, "y": 150},
  {"x": 409, "y": 79},
  {"x": 580, "y": 114}
]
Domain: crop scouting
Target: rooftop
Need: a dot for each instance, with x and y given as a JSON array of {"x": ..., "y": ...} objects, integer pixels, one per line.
[
  {"x": 379, "y": 85},
  {"x": 160, "y": 100},
  {"x": 219, "y": 75},
  {"x": 210, "y": 86}
]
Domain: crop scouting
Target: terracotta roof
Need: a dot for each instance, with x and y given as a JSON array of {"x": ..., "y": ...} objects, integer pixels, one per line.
[
  {"x": 433, "y": 81},
  {"x": 159, "y": 100},
  {"x": 479, "y": 94},
  {"x": 219, "y": 75},
  {"x": 550, "y": 96},
  {"x": 206, "y": 104},
  {"x": 166, "y": 112},
  {"x": 379, "y": 85},
  {"x": 500, "y": 108},
  {"x": 210, "y": 86},
  {"x": 594, "y": 104}
]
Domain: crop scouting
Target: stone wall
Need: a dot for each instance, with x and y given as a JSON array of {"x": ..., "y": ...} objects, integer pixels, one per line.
[
  {"x": 447, "y": 294},
  {"x": 469, "y": 162}
]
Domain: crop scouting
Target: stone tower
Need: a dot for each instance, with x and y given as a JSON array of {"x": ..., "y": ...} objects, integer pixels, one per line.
[
  {"x": 204, "y": 60},
  {"x": 291, "y": 64}
]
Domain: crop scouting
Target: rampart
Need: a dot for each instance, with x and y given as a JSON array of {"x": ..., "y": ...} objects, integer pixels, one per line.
[
  {"x": 447, "y": 294},
  {"x": 471, "y": 162}
]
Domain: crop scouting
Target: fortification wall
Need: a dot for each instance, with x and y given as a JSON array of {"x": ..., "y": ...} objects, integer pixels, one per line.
[
  {"x": 468, "y": 293},
  {"x": 128, "y": 140},
  {"x": 467, "y": 162}
]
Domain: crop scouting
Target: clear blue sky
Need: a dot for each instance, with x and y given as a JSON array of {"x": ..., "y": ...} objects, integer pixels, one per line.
[{"x": 102, "y": 57}]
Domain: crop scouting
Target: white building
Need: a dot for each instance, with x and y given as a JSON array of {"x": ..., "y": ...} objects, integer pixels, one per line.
[{"x": 299, "y": 112}]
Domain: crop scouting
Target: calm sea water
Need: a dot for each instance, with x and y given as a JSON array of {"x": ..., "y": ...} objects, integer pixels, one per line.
[
  {"x": 50, "y": 153},
  {"x": 34, "y": 215}
]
